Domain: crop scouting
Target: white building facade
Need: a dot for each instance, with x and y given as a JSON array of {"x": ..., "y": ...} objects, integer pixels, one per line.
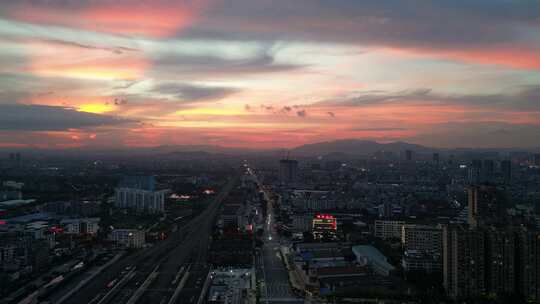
[
  {"x": 142, "y": 201},
  {"x": 81, "y": 226},
  {"x": 388, "y": 229}
]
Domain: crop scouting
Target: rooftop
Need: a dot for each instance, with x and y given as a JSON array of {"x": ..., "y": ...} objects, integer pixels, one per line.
[
  {"x": 341, "y": 270},
  {"x": 372, "y": 254},
  {"x": 40, "y": 216},
  {"x": 18, "y": 202}
]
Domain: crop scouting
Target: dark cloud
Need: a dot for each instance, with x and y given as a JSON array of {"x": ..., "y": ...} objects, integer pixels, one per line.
[
  {"x": 377, "y": 129},
  {"x": 301, "y": 113},
  {"x": 126, "y": 85},
  {"x": 286, "y": 109},
  {"x": 369, "y": 97},
  {"x": 194, "y": 93},
  {"x": 294, "y": 110},
  {"x": 12, "y": 96},
  {"x": 16, "y": 117},
  {"x": 331, "y": 114},
  {"x": 442, "y": 23},
  {"x": 74, "y": 44},
  {"x": 263, "y": 62},
  {"x": 524, "y": 98},
  {"x": 120, "y": 101},
  {"x": 115, "y": 49},
  {"x": 417, "y": 23}
]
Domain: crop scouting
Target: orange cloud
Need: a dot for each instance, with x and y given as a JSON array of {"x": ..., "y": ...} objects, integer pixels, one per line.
[
  {"x": 51, "y": 59},
  {"x": 100, "y": 70},
  {"x": 12, "y": 145},
  {"x": 147, "y": 18}
]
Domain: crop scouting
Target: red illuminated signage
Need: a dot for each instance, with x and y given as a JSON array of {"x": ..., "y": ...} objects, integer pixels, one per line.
[
  {"x": 56, "y": 230},
  {"x": 325, "y": 217},
  {"x": 324, "y": 223}
]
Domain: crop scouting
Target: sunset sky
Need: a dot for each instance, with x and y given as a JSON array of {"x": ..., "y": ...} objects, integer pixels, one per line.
[{"x": 269, "y": 73}]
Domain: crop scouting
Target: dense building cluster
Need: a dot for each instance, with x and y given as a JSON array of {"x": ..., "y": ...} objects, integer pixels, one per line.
[
  {"x": 462, "y": 227},
  {"x": 414, "y": 227}
]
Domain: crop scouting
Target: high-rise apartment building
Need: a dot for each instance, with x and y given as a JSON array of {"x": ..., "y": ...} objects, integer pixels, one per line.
[
  {"x": 409, "y": 155},
  {"x": 501, "y": 257},
  {"x": 486, "y": 204},
  {"x": 491, "y": 261},
  {"x": 464, "y": 262},
  {"x": 422, "y": 238},
  {"x": 535, "y": 159},
  {"x": 481, "y": 171},
  {"x": 388, "y": 229},
  {"x": 487, "y": 173},
  {"x": 288, "y": 171},
  {"x": 475, "y": 171},
  {"x": 528, "y": 270},
  {"x": 436, "y": 158},
  {"x": 506, "y": 170}
]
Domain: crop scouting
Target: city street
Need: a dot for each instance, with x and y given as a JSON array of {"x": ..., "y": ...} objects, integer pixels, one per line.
[{"x": 269, "y": 264}]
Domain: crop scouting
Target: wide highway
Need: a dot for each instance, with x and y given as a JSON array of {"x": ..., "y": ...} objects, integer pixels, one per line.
[{"x": 148, "y": 276}]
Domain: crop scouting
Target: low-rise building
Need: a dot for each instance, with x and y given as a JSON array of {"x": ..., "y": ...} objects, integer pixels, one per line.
[
  {"x": 302, "y": 222},
  {"x": 232, "y": 250},
  {"x": 81, "y": 226},
  {"x": 332, "y": 279},
  {"x": 308, "y": 258},
  {"x": 312, "y": 200},
  {"x": 421, "y": 261},
  {"x": 38, "y": 229},
  {"x": 324, "y": 226},
  {"x": 320, "y": 254},
  {"x": 130, "y": 238},
  {"x": 370, "y": 256},
  {"x": 232, "y": 217}
]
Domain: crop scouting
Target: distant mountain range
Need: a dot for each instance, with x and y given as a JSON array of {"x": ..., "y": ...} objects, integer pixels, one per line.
[
  {"x": 357, "y": 147},
  {"x": 351, "y": 147},
  {"x": 336, "y": 148}
]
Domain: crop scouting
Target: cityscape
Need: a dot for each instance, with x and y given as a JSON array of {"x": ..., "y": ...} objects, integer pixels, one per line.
[
  {"x": 392, "y": 227},
  {"x": 269, "y": 152}
]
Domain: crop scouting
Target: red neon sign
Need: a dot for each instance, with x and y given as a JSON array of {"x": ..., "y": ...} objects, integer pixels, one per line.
[
  {"x": 325, "y": 217},
  {"x": 56, "y": 230}
]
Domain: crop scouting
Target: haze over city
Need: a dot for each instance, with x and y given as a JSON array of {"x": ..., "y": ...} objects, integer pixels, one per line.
[{"x": 269, "y": 74}]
